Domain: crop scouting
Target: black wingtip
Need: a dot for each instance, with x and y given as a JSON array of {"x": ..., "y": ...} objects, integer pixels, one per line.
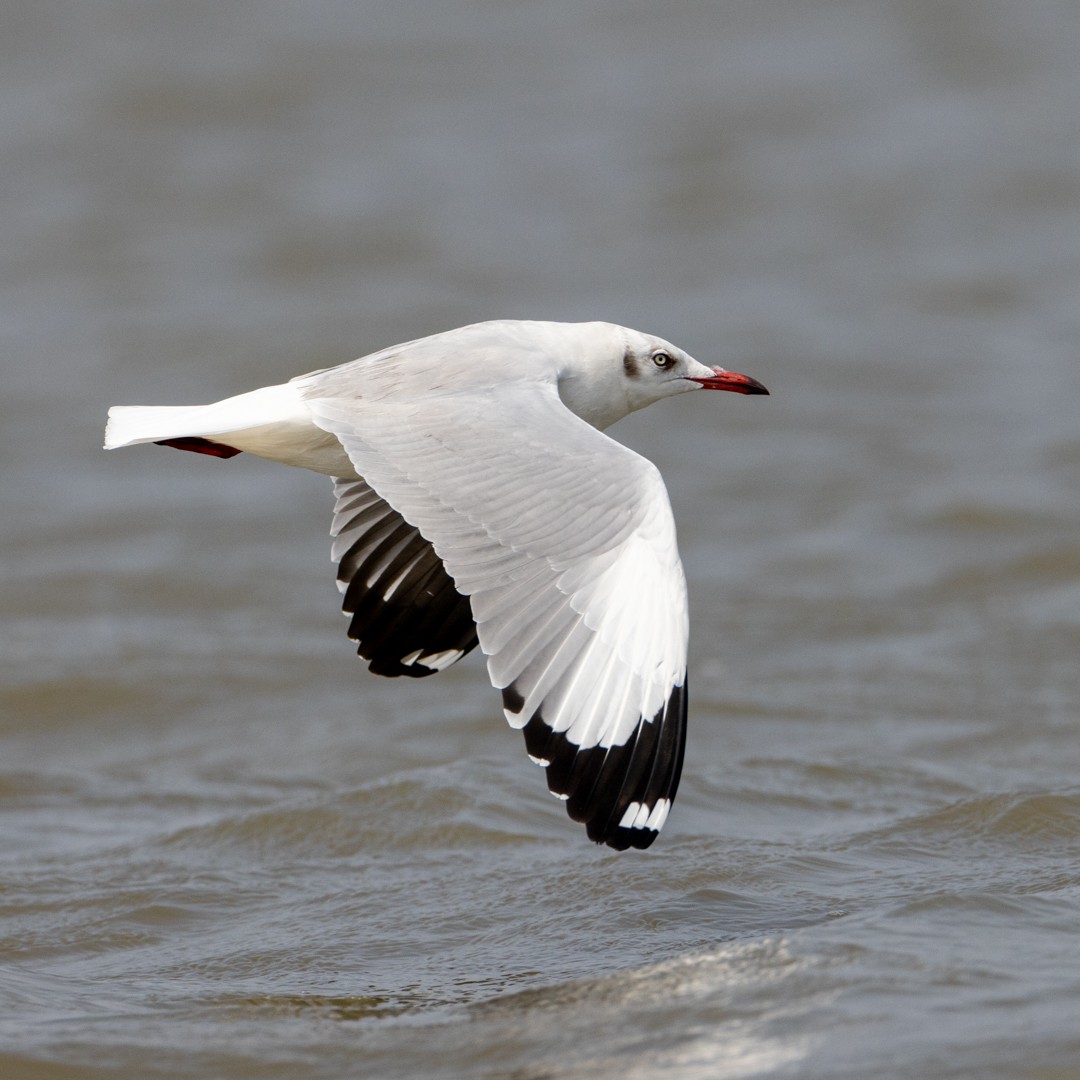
[
  {"x": 404, "y": 609},
  {"x": 622, "y": 794}
]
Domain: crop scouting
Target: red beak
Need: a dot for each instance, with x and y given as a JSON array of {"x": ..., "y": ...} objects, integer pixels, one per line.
[{"x": 730, "y": 380}]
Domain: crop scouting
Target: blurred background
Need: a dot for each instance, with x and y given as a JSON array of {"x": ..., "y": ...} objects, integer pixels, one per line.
[{"x": 226, "y": 849}]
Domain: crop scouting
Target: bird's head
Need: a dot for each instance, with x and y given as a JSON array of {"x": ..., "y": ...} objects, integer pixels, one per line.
[{"x": 617, "y": 371}]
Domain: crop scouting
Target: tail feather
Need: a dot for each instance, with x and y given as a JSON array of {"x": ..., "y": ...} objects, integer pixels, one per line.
[
  {"x": 129, "y": 425},
  {"x": 273, "y": 423}
]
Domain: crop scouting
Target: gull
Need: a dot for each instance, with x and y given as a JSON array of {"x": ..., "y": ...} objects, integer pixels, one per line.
[{"x": 479, "y": 502}]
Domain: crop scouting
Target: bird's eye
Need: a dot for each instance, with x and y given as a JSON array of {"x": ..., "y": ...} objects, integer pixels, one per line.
[{"x": 663, "y": 361}]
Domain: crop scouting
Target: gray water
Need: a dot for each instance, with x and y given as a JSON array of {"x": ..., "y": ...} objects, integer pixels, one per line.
[{"x": 228, "y": 850}]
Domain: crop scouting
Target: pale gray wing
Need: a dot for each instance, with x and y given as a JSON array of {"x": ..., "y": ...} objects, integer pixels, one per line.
[
  {"x": 564, "y": 542},
  {"x": 406, "y": 616}
]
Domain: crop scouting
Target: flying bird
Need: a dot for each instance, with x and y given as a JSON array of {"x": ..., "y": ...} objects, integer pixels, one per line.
[{"x": 479, "y": 502}]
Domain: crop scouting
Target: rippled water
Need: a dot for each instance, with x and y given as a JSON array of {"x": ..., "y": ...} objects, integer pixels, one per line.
[{"x": 227, "y": 850}]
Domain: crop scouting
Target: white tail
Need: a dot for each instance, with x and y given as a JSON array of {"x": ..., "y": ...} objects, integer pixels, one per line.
[
  {"x": 272, "y": 422},
  {"x": 131, "y": 424}
]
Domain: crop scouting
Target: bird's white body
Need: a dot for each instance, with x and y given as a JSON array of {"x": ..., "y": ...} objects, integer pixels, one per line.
[{"x": 478, "y": 500}]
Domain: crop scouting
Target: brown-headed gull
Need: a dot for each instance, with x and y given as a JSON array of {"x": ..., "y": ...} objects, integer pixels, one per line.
[{"x": 478, "y": 502}]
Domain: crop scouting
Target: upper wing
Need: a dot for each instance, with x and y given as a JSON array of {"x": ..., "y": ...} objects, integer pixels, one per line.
[
  {"x": 407, "y": 617},
  {"x": 564, "y": 542}
]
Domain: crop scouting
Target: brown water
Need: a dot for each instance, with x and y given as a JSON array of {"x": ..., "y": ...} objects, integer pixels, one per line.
[{"x": 227, "y": 850}]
